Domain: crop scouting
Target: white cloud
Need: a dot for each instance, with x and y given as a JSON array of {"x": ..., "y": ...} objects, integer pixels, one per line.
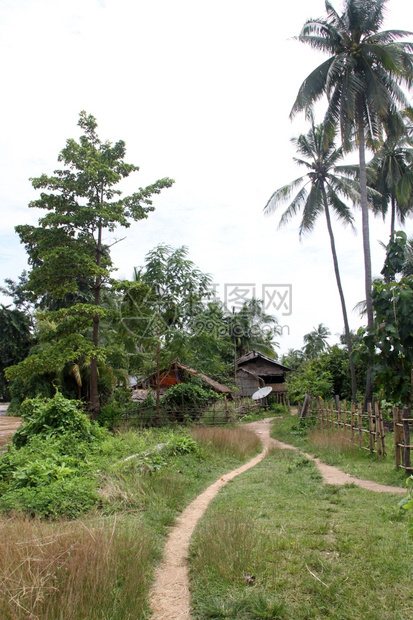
[{"x": 201, "y": 92}]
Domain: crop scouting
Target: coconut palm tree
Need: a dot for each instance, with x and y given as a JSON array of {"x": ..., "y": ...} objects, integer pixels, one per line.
[
  {"x": 363, "y": 79},
  {"x": 251, "y": 328},
  {"x": 318, "y": 191},
  {"x": 393, "y": 164},
  {"x": 316, "y": 341}
]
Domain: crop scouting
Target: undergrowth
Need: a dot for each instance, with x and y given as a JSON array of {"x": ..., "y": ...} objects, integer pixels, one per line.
[{"x": 124, "y": 489}]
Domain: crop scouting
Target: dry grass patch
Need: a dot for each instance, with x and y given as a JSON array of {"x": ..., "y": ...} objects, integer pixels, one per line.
[
  {"x": 83, "y": 569},
  {"x": 236, "y": 442},
  {"x": 332, "y": 441}
]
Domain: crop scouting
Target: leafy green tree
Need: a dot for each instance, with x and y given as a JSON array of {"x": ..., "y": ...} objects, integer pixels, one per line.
[
  {"x": 310, "y": 378},
  {"x": 15, "y": 342},
  {"x": 363, "y": 79},
  {"x": 69, "y": 249},
  {"x": 326, "y": 182},
  {"x": 390, "y": 344}
]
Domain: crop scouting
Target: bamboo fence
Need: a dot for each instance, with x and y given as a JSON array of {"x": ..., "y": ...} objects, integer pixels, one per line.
[
  {"x": 219, "y": 413},
  {"x": 365, "y": 428}
]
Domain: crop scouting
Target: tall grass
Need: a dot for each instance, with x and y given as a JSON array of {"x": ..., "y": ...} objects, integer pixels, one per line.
[
  {"x": 232, "y": 441},
  {"x": 74, "y": 570},
  {"x": 100, "y": 567},
  {"x": 332, "y": 442}
]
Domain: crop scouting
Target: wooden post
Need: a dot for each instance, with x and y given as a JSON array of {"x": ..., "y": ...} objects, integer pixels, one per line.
[
  {"x": 337, "y": 403},
  {"x": 396, "y": 427},
  {"x": 353, "y": 420},
  {"x": 371, "y": 427},
  {"x": 306, "y": 406},
  {"x": 406, "y": 441},
  {"x": 360, "y": 424},
  {"x": 378, "y": 429},
  {"x": 338, "y": 409},
  {"x": 382, "y": 431},
  {"x": 344, "y": 416}
]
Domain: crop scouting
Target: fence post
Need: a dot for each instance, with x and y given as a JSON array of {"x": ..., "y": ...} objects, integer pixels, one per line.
[
  {"x": 344, "y": 416},
  {"x": 338, "y": 408},
  {"x": 353, "y": 421},
  {"x": 406, "y": 441},
  {"x": 378, "y": 429},
  {"x": 360, "y": 424},
  {"x": 382, "y": 431},
  {"x": 371, "y": 427},
  {"x": 396, "y": 427}
]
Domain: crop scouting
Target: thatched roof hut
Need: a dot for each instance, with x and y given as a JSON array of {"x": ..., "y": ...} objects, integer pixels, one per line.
[
  {"x": 256, "y": 370},
  {"x": 178, "y": 373}
]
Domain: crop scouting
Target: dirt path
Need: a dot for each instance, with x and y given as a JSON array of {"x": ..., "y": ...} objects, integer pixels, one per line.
[
  {"x": 8, "y": 425},
  {"x": 170, "y": 598}
]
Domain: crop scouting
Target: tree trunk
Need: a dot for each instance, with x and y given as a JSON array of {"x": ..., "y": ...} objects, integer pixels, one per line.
[
  {"x": 94, "y": 402},
  {"x": 366, "y": 236},
  {"x": 393, "y": 216},
  {"x": 342, "y": 300}
]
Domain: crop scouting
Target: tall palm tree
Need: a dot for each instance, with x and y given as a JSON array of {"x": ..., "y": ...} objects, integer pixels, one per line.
[
  {"x": 363, "y": 79},
  {"x": 251, "y": 328},
  {"x": 326, "y": 181},
  {"x": 393, "y": 164},
  {"x": 316, "y": 341}
]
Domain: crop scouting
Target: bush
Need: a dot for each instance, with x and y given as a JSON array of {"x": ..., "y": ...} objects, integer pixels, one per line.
[
  {"x": 50, "y": 477},
  {"x": 186, "y": 396},
  {"x": 38, "y": 386},
  {"x": 69, "y": 498},
  {"x": 54, "y": 417}
]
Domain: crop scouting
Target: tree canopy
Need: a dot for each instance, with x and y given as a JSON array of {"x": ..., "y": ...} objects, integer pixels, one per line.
[{"x": 69, "y": 250}]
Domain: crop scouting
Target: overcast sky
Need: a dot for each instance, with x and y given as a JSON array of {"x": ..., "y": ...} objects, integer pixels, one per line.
[{"x": 201, "y": 92}]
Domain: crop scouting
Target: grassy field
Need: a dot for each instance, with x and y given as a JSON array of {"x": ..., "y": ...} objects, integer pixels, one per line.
[
  {"x": 100, "y": 566},
  {"x": 332, "y": 448},
  {"x": 279, "y": 544}
]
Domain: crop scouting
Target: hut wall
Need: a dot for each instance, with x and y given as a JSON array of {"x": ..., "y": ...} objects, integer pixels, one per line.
[{"x": 246, "y": 383}]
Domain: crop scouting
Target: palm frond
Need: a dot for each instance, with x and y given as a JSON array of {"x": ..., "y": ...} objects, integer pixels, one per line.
[
  {"x": 281, "y": 195},
  {"x": 313, "y": 207},
  {"x": 294, "y": 207},
  {"x": 387, "y": 36},
  {"x": 312, "y": 89},
  {"x": 342, "y": 211}
]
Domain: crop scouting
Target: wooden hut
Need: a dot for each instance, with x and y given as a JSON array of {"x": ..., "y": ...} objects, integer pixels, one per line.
[
  {"x": 178, "y": 373},
  {"x": 255, "y": 370}
]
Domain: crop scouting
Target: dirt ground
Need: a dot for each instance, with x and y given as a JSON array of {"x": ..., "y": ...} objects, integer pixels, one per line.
[
  {"x": 8, "y": 425},
  {"x": 170, "y": 599}
]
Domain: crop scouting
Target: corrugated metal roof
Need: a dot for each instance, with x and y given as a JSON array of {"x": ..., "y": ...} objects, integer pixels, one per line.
[{"x": 254, "y": 354}]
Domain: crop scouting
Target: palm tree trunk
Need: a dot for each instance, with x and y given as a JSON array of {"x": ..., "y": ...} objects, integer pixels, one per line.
[
  {"x": 366, "y": 236},
  {"x": 342, "y": 300},
  {"x": 393, "y": 216}
]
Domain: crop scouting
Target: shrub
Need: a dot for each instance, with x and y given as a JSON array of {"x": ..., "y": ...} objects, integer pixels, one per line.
[
  {"x": 186, "y": 396},
  {"x": 54, "y": 417},
  {"x": 69, "y": 497}
]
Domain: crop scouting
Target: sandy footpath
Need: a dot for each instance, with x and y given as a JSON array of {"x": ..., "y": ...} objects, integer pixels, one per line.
[{"x": 170, "y": 599}]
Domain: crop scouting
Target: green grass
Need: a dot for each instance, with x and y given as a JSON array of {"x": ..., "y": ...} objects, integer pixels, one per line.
[
  {"x": 100, "y": 566},
  {"x": 279, "y": 544},
  {"x": 333, "y": 449}
]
